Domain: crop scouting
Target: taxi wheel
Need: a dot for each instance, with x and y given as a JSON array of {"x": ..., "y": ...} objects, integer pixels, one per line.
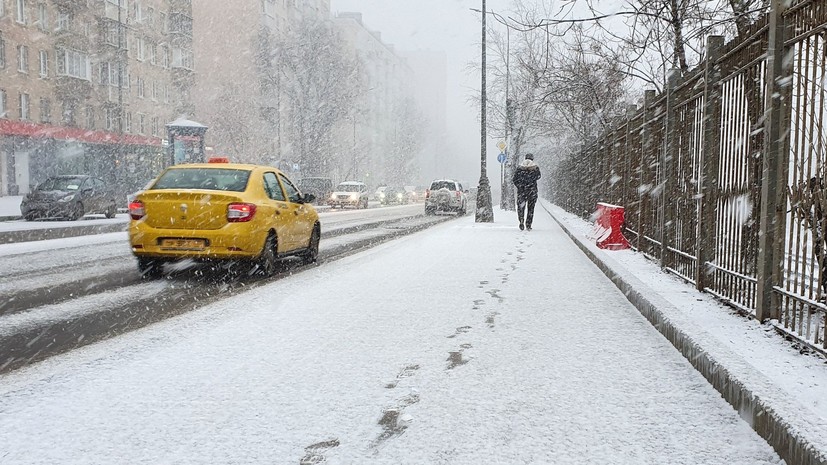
[
  {"x": 268, "y": 260},
  {"x": 150, "y": 268},
  {"x": 312, "y": 253}
]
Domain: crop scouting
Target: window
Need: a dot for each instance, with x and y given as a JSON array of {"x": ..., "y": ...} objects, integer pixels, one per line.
[
  {"x": 90, "y": 118},
  {"x": 156, "y": 124},
  {"x": 42, "y": 17},
  {"x": 109, "y": 118},
  {"x": 141, "y": 123},
  {"x": 136, "y": 11},
  {"x": 139, "y": 83},
  {"x": 69, "y": 112},
  {"x": 162, "y": 18},
  {"x": 23, "y": 58},
  {"x": 21, "y": 11},
  {"x": 64, "y": 21},
  {"x": 73, "y": 63},
  {"x": 271, "y": 185},
  {"x": 165, "y": 61},
  {"x": 156, "y": 90},
  {"x": 153, "y": 52},
  {"x": 24, "y": 106},
  {"x": 182, "y": 58},
  {"x": 2, "y": 8},
  {"x": 128, "y": 126},
  {"x": 110, "y": 74},
  {"x": 149, "y": 16},
  {"x": 3, "y": 111},
  {"x": 45, "y": 110},
  {"x": 44, "y": 64},
  {"x": 2, "y": 51},
  {"x": 166, "y": 93},
  {"x": 140, "y": 51},
  {"x": 292, "y": 192}
]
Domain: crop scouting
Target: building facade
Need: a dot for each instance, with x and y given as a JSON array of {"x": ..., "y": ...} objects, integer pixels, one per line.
[
  {"x": 86, "y": 86},
  {"x": 373, "y": 132},
  {"x": 238, "y": 87}
]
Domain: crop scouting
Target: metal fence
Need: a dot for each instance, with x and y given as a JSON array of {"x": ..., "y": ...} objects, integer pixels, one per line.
[{"x": 724, "y": 175}]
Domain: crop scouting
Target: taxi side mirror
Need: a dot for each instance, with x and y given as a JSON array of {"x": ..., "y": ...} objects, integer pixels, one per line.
[{"x": 308, "y": 198}]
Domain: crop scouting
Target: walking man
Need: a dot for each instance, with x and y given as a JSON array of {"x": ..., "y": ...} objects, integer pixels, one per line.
[{"x": 525, "y": 180}]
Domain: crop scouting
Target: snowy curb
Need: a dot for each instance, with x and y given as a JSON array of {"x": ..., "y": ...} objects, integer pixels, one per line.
[{"x": 798, "y": 440}]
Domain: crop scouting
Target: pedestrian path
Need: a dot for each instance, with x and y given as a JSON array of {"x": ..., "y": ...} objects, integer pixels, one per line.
[{"x": 466, "y": 343}]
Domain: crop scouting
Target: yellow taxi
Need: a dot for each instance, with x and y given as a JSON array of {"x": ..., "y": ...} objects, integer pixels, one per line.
[{"x": 222, "y": 211}]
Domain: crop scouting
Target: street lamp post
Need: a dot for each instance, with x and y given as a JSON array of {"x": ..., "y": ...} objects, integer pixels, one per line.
[{"x": 484, "y": 211}]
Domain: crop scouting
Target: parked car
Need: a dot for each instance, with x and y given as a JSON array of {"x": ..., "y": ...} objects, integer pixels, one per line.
[
  {"x": 71, "y": 196},
  {"x": 321, "y": 188},
  {"x": 394, "y": 195},
  {"x": 222, "y": 211},
  {"x": 350, "y": 194},
  {"x": 445, "y": 195}
]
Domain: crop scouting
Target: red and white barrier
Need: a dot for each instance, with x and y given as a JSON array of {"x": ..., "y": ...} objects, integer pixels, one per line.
[{"x": 608, "y": 227}]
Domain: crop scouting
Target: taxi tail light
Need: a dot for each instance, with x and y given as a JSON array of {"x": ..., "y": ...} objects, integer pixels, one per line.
[
  {"x": 459, "y": 195},
  {"x": 136, "y": 210},
  {"x": 240, "y": 212},
  {"x": 427, "y": 193}
]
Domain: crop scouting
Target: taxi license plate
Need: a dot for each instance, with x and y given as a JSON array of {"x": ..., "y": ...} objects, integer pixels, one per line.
[{"x": 188, "y": 244}]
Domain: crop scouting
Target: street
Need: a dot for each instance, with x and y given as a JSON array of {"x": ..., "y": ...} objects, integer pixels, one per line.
[{"x": 433, "y": 348}]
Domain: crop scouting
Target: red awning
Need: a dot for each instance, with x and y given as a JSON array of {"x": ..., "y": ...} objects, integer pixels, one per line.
[{"x": 45, "y": 131}]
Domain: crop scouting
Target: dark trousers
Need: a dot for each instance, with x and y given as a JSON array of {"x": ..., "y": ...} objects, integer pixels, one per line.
[{"x": 525, "y": 206}]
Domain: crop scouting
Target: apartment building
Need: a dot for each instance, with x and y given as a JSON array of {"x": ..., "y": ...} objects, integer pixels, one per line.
[
  {"x": 238, "y": 89},
  {"x": 388, "y": 82},
  {"x": 88, "y": 85}
]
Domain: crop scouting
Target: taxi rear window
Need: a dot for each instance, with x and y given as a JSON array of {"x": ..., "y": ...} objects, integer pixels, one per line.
[{"x": 220, "y": 179}]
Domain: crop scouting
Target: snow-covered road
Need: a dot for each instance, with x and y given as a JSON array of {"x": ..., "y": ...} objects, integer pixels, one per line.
[{"x": 464, "y": 344}]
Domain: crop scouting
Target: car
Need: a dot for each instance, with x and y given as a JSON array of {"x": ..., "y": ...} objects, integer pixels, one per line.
[
  {"x": 446, "y": 195},
  {"x": 69, "y": 196},
  {"x": 377, "y": 194},
  {"x": 220, "y": 211},
  {"x": 349, "y": 194},
  {"x": 321, "y": 188},
  {"x": 411, "y": 194},
  {"x": 394, "y": 195}
]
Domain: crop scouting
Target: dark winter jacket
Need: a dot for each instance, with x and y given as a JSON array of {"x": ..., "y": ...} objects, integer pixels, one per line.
[{"x": 526, "y": 176}]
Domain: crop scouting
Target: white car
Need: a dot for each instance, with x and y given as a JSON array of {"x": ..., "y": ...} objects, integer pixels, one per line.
[
  {"x": 446, "y": 195},
  {"x": 350, "y": 194}
]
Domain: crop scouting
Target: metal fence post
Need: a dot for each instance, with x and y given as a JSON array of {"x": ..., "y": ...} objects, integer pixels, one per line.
[
  {"x": 774, "y": 169},
  {"x": 668, "y": 156},
  {"x": 646, "y": 146},
  {"x": 708, "y": 184}
]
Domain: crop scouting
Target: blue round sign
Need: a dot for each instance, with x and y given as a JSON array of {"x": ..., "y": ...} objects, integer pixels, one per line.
[{"x": 501, "y": 158}]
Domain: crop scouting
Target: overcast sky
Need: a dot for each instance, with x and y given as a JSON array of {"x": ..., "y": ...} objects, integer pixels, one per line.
[{"x": 450, "y": 26}]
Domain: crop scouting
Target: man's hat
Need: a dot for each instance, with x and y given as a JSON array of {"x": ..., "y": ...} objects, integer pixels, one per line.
[{"x": 529, "y": 156}]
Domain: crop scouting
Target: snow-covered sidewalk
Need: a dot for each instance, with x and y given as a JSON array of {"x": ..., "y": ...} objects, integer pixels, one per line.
[{"x": 466, "y": 343}]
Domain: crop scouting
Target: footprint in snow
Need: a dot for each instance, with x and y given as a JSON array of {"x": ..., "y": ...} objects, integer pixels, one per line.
[{"x": 314, "y": 454}]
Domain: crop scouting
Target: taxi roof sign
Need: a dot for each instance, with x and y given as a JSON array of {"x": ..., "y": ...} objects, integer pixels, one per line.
[{"x": 218, "y": 160}]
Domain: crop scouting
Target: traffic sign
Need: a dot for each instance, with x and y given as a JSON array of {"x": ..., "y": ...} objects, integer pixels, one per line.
[
  {"x": 501, "y": 146},
  {"x": 501, "y": 158}
]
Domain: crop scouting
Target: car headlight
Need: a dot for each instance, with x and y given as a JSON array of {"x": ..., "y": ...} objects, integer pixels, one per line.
[
  {"x": 67, "y": 198},
  {"x": 354, "y": 196},
  {"x": 398, "y": 196},
  {"x": 382, "y": 196}
]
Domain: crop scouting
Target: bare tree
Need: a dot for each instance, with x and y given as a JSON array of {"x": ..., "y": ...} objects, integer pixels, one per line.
[{"x": 321, "y": 82}]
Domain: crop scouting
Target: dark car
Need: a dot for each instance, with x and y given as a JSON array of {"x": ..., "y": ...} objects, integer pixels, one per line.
[
  {"x": 69, "y": 197},
  {"x": 321, "y": 188},
  {"x": 394, "y": 195}
]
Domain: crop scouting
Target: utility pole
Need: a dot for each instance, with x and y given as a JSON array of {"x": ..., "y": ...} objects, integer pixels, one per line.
[
  {"x": 484, "y": 212},
  {"x": 120, "y": 69}
]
